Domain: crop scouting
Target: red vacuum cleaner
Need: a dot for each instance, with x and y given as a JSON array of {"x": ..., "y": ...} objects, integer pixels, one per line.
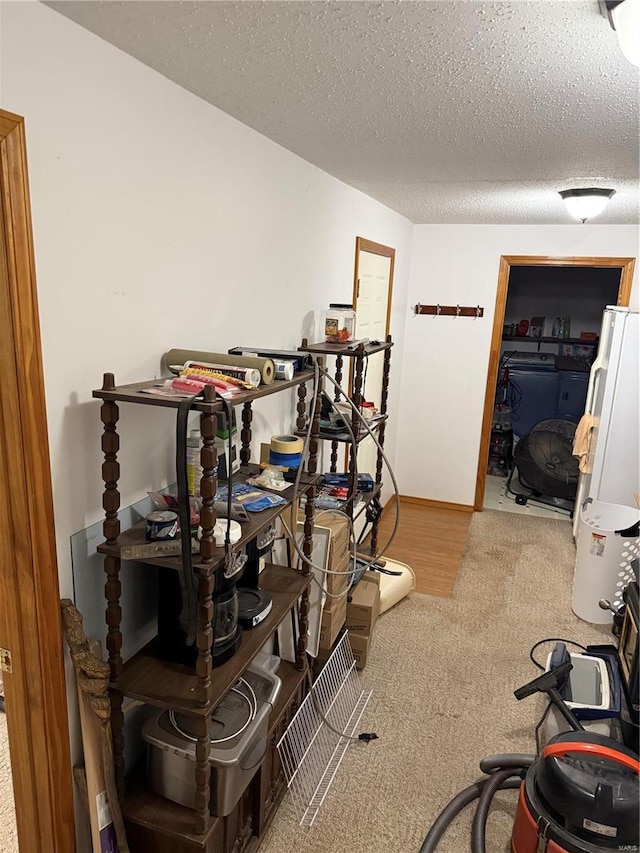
[{"x": 581, "y": 795}]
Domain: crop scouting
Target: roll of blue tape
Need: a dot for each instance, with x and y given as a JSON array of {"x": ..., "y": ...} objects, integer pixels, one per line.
[{"x": 286, "y": 460}]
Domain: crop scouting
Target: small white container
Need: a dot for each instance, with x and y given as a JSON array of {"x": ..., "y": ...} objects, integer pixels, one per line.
[{"x": 339, "y": 323}]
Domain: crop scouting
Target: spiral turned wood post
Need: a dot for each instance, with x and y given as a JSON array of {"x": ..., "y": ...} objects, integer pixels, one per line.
[
  {"x": 245, "y": 434},
  {"x": 109, "y": 415}
]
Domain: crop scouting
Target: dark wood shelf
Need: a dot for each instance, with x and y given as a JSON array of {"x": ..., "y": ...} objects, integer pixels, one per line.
[
  {"x": 144, "y": 807},
  {"x": 367, "y": 497},
  {"x": 134, "y": 393},
  {"x": 169, "y": 685},
  {"x": 343, "y": 436},
  {"x": 257, "y": 521},
  {"x": 347, "y": 350}
]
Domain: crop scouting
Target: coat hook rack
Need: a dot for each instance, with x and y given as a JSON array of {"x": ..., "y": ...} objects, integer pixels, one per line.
[{"x": 449, "y": 310}]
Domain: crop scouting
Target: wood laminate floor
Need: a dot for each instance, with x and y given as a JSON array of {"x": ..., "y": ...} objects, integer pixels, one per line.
[{"x": 430, "y": 540}]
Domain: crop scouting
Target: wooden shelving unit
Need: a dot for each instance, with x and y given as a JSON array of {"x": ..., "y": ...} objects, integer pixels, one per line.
[
  {"x": 355, "y": 357},
  {"x": 169, "y": 685},
  {"x": 527, "y": 339},
  {"x": 147, "y": 810},
  {"x": 546, "y": 340},
  {"x": 154, "y": 824}
]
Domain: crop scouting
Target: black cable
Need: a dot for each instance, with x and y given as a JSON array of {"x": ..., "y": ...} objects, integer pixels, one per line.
[
  {"x": 364, "y": 380},
  {"x": 514, "y": 398},
  {"x": 188, "y": 612},
  {"x": 227, "y": 540},
  {"x": 552, "y": 640},
  {"x": 365, "y": 737}
]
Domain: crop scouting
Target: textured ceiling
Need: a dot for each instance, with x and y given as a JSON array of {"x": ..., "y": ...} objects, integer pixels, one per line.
[{"x": 450, "y": 111}]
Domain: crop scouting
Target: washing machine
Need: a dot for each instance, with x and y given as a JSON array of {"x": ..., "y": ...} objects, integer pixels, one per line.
[
  {"x": 572, "y": 394},
  {"x": 538, "y": 385}
]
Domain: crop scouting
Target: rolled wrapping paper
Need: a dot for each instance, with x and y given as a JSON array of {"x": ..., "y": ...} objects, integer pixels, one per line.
[
  {"x": 180, "y": 356},
  {"x": 250, "y": 375},
  {"x": 286, "y": 451}
]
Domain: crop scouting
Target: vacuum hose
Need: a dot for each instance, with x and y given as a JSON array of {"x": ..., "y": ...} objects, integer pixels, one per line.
[
  {"x": 505, "y": 772},
  {"x": 499, "y": 781},
  {"x": 449, "y": 812}
]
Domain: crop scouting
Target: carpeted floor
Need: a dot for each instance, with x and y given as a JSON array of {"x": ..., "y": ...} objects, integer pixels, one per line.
[
  {"x": 443, "y": 672},
  {"x": 8, "y": 837}
]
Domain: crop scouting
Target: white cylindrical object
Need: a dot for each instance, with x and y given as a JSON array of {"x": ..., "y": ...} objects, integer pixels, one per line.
[
  {"x": 603, "y": 558},
  {"x": 284, "y": 369}
]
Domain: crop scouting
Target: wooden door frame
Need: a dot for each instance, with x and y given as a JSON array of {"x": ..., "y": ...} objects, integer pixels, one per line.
[
  {"x": 506, "y": 262},
  {"x": 363, "y": 245},
  {"x": 30, "y": 620}
]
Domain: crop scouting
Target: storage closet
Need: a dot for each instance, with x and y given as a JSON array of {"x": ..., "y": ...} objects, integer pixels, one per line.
[
  {"x": 579, "y": 293},
  {"x": 550, "y": 370},
  {"x": 550, "y": 333}
]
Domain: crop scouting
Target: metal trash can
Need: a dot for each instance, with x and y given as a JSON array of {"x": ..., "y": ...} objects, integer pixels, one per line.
[{"x": 607, "y": 544}]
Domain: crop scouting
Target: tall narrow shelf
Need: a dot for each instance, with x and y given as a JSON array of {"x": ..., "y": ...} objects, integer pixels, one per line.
[
  {"x": 154, "y": 823},
  {"x": 354, "y": 357}
]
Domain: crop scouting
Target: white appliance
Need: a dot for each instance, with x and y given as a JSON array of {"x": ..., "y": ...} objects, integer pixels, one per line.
[
  {"x": 613, "y": 400},
  {"x": 607, "y": 508}
]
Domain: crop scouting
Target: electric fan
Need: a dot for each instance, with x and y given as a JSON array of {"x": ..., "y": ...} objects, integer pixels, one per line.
[{"x": 546, "y": 465}]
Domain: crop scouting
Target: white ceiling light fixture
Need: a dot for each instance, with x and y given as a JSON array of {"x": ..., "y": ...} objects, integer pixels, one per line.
[
  {"x": 586, "y": 203},
  {"x": 624, "y": 17}
]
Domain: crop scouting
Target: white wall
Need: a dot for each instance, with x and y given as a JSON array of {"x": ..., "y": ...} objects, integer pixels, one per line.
[
  {"x": 159, "y": 221},
  {"x": 446, "y": 359}
]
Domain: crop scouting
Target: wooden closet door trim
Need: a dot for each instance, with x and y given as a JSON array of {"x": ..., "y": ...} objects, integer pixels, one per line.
[{"x": 30, "y": 622}]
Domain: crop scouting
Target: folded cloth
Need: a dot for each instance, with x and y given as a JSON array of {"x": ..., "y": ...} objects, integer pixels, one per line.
[{"x": 582, "y": 441}]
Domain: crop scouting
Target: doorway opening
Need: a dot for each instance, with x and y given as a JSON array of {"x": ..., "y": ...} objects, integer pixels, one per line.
[
  {"x": 372, "y": 292},
  {"x": 546, "y": 325}
]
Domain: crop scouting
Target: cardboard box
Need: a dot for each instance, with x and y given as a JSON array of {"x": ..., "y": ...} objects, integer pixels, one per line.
[
  {"x": 339, "y": 554},
  {"x": 331, "y": 622},
  {"x": 364, "y": 607},
  {"x": 360, "y": 644},
  {"x": 537, "y": 327}
]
